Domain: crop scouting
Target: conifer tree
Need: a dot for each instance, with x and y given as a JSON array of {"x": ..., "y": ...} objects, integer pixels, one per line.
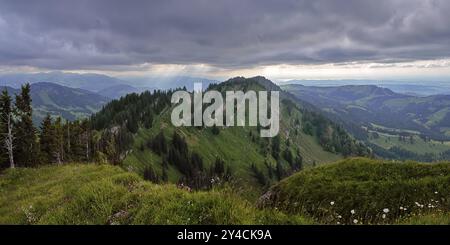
[
  {"x": 276, "y": 147},
  {"x": 26, "y": 146},
  {"x": 47, "y": 140}
]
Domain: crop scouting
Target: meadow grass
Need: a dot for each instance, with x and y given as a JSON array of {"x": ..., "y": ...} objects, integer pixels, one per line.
[
  {"x": 351, "y": 191},
  {"x": 104, "y": 194}
]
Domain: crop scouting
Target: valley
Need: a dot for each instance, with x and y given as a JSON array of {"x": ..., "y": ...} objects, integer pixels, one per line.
[{"x": 395, "y": 125}]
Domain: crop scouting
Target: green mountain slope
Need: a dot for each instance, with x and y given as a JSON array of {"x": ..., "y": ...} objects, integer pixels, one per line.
[
  {"x": 305, "y": 139},
  {"x": 376, "y": 191}
]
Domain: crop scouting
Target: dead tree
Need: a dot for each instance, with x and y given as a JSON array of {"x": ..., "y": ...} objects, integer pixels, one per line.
[{"x": 9, "y": 142}]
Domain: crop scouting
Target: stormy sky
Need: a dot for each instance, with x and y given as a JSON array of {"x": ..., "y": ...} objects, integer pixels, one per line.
[{"x": 285, "y": 39}]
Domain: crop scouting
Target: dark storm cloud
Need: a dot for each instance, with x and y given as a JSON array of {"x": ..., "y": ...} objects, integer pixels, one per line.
[{"x": 88, "y": 34}]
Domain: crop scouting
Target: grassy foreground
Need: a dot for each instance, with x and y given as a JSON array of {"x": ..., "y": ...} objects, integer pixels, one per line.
[
  {"x": 365, "y": 191},
  {"x": 104, "y": 194},
  {"x": 351, "y": 191}
]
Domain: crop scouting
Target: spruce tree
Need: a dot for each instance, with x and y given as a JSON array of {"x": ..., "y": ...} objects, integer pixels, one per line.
[
  {"x": 276, "y": 147},
  {"x": 26, "y": 146},
  {"x": 47, "y": 141}
]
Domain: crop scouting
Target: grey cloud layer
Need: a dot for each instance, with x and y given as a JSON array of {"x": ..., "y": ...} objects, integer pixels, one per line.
[{"x": 88, "y": 34}]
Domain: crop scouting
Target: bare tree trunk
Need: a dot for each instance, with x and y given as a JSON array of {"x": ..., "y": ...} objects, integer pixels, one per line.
[
  {"x": 58, "y": 158},
  {"x": 61, "y": 147},
  {"x": 9, "y": 142},
  {"x": 87, "y": 147},
  {"x": 68, "y": 139}
]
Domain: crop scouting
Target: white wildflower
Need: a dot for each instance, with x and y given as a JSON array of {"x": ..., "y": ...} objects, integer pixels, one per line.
[
  {"x": 355, "y": 221},
  {"x": 386, "y": 210},
  {"x": 384, "y": 216},
  {"x": 352, "y": 211},
  {"x": 332, "y": 203}
]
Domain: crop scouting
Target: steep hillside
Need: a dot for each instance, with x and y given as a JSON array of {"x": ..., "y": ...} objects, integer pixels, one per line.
[
  {"x": 305, "y": 139},
  {"x": 103, "y": 194},
  {"x": 70, "y": 103},
  {"x": 366, "y": 191}
]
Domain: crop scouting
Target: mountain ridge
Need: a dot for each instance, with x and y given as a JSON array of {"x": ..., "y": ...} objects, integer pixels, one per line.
[
  {"x": 59, "y": 100},
  {"x": 305, "y": 139}
]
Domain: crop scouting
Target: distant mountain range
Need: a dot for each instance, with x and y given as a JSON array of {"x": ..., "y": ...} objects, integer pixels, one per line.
[
  {"x": 104, "y": 85},
  {"x": 58, "y": 100},
  {"x": 168, "y": 82},
  {"x": 73, "y": 95},
  {"x": 90, "y": 82},
  {"x": 366, "y": 104},
  {"x": 117, "y": 91},
  {"x": 380, "y": 115},
  {"x": 411, "y": 87}
]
